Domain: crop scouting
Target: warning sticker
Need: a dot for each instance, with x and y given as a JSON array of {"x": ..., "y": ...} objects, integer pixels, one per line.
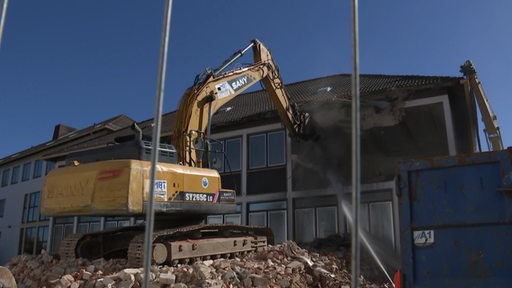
[
  {"x": 223, "y": 90},
  {"x": 161, "y": 189}
]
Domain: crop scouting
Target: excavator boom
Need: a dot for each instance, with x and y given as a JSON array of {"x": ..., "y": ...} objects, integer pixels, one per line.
[{"x": 215, "y": 89}]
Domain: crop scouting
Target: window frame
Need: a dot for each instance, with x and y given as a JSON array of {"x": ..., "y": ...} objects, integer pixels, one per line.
[
  {"x": 267, "y": 162},
  {"x": 38, "y": 169},
  {"x": 2, "y": 207},
  {"x": 49, "y": 167},
  {"x": 31, "y": 207},
  {"x": 228, "y": 163},
  {"x": 216, "y": 154},
  {"x": 283, "y": 161},
  {"x": 5, "y": 177},
  {"x": 26, "y": 171},
  {"x": 15, "y": 175},
  {"x": 225, "y": 155},
  {"x": 251, "y": 149}
]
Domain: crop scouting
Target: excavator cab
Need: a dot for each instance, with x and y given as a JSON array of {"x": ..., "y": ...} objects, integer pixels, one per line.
[{"x": 135, "y": 146}]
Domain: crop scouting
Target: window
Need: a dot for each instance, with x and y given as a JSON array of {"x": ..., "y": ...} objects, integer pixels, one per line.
[
  {"x": 226, "y": 155},
  {"x": 214, "y": 219},
  {"x": 31, "y": 207},
  {"x": 2, "y": 207},
  {"x": 33, "y": 240},
  {"x": 233, "y": 154},
  {"x": 88, "y": 224},
  {"x": 277, "y": 222},
  {"x": 62, "y": 228},
  {"x": 114, "y": 222},
  {"x": 29, "y": 240},
  {"x": 27, "y": 167},
  {"x": 233, "y": 219},
  {"x": 266, "y": 150},
  {"x": 217, "y": 155},
  {"x": 258, "y": 219},
  {"x": 42, "y": 239},
  {"x": 377, "y": 220},
  {"x": 381, "y": 221},
  {"x": 315, "y": 222},
  {"x": 304, "y": 225},
  {"x": 272, "y": 215},
  {"x": 276, "y": 148},
  {"x": 15, "y": 177},
  {"x": 49, "y": 167},
  {"x": 58, "y": 235},
  {"x": 38, "y": 168},
  {"x": 5, "y": 177},
  {"x": 257, "y": 151},
  {"x": 327, "y": 221}
]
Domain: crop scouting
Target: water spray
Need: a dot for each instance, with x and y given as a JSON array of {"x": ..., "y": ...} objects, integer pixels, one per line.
[{"x": 363, "y": 235}]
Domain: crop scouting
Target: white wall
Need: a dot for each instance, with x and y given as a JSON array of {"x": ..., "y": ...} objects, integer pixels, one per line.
[{"x": 10, "y": 223}]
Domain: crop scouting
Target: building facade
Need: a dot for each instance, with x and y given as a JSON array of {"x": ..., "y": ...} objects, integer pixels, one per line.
[
  {"x": 22, "y": 228},
  {"x": 300, "y": 189}
]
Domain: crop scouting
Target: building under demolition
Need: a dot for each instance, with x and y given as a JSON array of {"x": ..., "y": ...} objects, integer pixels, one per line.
[{"x": 295, "y": 187}]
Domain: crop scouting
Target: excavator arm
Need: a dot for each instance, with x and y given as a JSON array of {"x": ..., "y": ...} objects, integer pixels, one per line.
[
  {"x": 217, "y": 87},
  {"x": 492, "y": 129}
]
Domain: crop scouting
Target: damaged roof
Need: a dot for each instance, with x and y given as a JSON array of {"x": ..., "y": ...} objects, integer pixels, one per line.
[
  {"x": 254, "y": 105},
  {"x": 249, "y": 108}
]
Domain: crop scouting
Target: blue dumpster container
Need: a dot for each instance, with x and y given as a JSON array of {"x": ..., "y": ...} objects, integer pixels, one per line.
[{"x": 455, "y": 218}]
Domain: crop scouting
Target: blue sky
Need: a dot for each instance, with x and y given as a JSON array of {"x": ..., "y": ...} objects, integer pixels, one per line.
[{"x": 81, "y": 62}]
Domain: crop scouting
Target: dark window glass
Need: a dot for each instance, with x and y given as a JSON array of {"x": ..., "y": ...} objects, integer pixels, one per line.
[
  {"x": 30, "y": 240},
  {"x": 31, "y": 207},
  {"x": 2, "y": 207},
  {"x": 276, "y": 148},
  {"x": 49, "y": 167},
  {"x": 233, "y": 155},
  {"x": 217, "y": 155},
  {"x": 15, "y": 177},
  {"x": 38, "y": 168},
  {"x": 42, "y": 239},
  {"x": 5, "y": 177},
  {"x": 25, "y": 176},
  {"x": 257, "y": 151}
]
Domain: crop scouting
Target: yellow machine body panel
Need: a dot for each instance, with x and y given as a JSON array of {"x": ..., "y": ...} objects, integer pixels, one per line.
[{"x": 121, "y": 187}]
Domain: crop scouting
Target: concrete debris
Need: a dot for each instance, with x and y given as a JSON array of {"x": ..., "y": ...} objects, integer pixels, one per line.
[{"x": 285, "y": 265}]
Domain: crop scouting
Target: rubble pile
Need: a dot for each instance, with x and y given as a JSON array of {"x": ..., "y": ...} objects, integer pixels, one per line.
[{"x": 284, "y": 265}]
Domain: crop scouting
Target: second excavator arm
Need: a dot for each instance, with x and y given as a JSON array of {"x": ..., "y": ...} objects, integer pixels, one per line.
[
  {"x": 210, "y": 92},
  {"x": 492, "y": 129}
]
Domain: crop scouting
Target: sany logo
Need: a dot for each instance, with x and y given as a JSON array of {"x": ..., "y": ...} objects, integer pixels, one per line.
[{"x": 240, "y": 82}]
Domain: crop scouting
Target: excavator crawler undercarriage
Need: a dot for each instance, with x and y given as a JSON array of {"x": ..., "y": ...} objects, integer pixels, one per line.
[{"x": 170, "y": 246}]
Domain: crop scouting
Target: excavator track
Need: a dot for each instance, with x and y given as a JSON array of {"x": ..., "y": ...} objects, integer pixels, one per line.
[
  {"x": 67, "y": 246},
  {"x": 170, "y": 245},
  {"x": 106, "y": 244},
  {"x": 184, "y": 244}
]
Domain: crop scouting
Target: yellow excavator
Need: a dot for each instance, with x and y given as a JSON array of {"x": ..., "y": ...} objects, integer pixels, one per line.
[{"x": 185, "y": 191}]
